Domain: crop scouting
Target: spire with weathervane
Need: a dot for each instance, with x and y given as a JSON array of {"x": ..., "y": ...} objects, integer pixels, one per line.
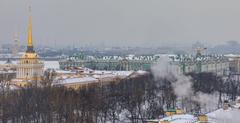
[
  {"x": 29, "y": 66},
  {"x": 30, "y": 43}
]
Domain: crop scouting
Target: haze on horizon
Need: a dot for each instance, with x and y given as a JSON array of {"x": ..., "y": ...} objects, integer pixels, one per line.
[{"x": 121, "y": 22}]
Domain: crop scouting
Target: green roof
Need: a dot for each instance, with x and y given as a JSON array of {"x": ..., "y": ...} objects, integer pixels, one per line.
[{"x": 171, "y": 110}]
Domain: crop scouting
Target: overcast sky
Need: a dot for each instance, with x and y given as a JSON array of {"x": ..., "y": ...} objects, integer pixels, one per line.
[{"x": 121, "y": 22}]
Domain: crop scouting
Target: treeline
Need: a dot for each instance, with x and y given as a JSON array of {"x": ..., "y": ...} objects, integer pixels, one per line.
[
  {"x": 131, "y": 100},
  {"x": 210, "y": 83}
]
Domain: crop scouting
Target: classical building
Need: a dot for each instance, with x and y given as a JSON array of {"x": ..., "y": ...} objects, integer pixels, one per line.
[
  {"x": 181, "y": 64},
  {"x": 234, "y": 65},
  {"x": 29, "y": 67},
  {"x": 218, "y": 64},
  {"x": 121, "y": 63}
]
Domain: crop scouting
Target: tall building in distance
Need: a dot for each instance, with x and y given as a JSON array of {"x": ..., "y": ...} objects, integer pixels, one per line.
[{"x": 29, "y": 67}]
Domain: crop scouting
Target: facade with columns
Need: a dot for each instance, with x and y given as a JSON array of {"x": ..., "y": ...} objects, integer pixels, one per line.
[{"x": 30, "y": 67}]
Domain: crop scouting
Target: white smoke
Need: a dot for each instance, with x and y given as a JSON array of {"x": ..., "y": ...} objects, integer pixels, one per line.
[
  {"x": 162, "y": 69},
  {"x": 209, "y": 101},
  {"x": 182, "y": 86}
]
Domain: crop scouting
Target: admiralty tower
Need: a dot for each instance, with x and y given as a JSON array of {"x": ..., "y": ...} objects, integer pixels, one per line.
[{"x": 29, "y": 66}]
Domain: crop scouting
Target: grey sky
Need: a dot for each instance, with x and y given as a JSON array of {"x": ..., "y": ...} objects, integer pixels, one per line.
[{"x": 122, "y": 22}]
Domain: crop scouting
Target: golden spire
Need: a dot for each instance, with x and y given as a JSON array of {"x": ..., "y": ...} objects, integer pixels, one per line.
[
  {"x": 30, "y": 29},
  {"x": 30, "y": 43}
]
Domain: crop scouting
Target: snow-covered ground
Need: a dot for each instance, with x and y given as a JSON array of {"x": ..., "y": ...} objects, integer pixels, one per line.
[{"x": 232, "y": 115}]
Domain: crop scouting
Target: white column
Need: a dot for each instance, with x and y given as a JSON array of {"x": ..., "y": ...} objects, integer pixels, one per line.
[{"x": 20, "y": 72}]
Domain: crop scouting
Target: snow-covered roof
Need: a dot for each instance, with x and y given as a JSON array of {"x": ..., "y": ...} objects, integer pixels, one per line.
[
  {"x": 141, "y": 72},
  {"x": 97, "y": 75},
  {"x": 118, "y": 73},
  {"x": 185, "y": 118},
  {"x": 65, "y": 72},
  {"x": 51, "y": 64},
  {"x": 13, "y": 87},
  {"x": 4, "y": 62},
  {"x": 232, "y": 55},
  {"x": 9, "y": 71},
  {"x": 75, "y": 80},
  {"x": 104, "y": 76}
]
